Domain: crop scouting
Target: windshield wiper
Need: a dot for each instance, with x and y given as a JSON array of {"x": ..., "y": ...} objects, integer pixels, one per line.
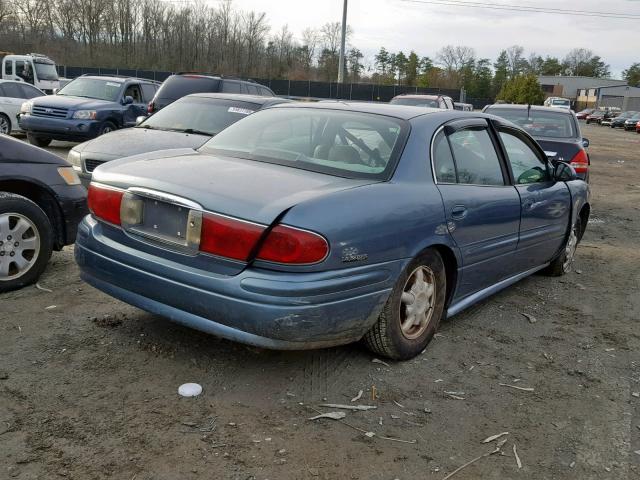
[{"x": 192, "y": 131}]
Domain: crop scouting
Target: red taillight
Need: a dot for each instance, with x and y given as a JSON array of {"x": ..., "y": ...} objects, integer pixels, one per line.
[
  {"x": 228, "y": 237},
  {"x": 151, "y": 107},
  {"x": 294, "y": 246},
  {"x": 104, "y": 203},
  {"x": 580, "y": 162}
]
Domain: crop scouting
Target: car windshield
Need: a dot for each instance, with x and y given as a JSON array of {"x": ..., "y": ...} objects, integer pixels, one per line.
[
  {"x": 208, "y": 116},
  {"x": 561, "y": 101},
  {"x": 626, "y": 114},
  {"x": 539, "y": 123},
  {"x": 46, "y": 71},
  {"x": 97, "y": 88},
  {"x": 416, "y": 102},
  {"x": 344, "y": 144}
]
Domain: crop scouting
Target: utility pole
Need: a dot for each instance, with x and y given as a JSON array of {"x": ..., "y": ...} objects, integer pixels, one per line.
[{"x": 342, "y": 43}]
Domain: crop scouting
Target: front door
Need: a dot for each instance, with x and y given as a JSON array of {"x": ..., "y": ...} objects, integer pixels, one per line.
[
  {"x": 482, "y": 209},
  {"x": 136, "y": 109},
  {"x": 546, "y": 204}
]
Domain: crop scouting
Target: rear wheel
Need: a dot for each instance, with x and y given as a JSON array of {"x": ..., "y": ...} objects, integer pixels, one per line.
[
  {"x": 38, "y": 140},
  {"x": 26, "y": 241},
  {"x": 564, "y": 262},
  {"x": 412, "y": 314},
  {"x": 5, "y": 124}
]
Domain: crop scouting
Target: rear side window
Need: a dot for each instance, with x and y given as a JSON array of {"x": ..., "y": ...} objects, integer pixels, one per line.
[
  {"x": 475, "y": 157},
  {"x": 443, "y": 166},
  {"x": 230, "y": 87},
  {"x": 12, "y": 90},
  {"x": 177, "y": 86},
  {"x": 30, "y": 92},
  {"x": 265, "y": 92},
  {"x": 252, "y": 89},
  {"x": 2, "y": 94}
]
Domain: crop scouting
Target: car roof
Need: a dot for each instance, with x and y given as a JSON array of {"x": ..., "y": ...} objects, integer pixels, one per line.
[
  {"x": 241, "y": 97},
  {"x": 404, "y": 112},
  {"x": 419, "y": 96},
  {"x": 534, "y": 108},
  {"x": 114, "y": 78}
]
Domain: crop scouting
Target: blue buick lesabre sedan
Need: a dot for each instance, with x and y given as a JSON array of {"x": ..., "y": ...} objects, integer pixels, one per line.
[{"x": 305, "y": 226}]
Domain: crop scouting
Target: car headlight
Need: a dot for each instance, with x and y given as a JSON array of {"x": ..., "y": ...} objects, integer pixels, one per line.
[
  {"x": 26, "y": 107},
  {"x": 85, "y": 115},
  {"x": 75, "y": 159},
  {"x": 69, "y": 175}
]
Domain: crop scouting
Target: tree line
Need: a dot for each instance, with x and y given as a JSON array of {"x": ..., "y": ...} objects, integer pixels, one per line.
[{"x": 195, "y": 36}]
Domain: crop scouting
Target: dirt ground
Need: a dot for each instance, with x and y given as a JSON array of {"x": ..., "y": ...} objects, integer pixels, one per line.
[{"x": 88, "y": 385}]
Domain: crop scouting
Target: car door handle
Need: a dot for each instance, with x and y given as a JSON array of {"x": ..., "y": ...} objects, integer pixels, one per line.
[{"x": 458, "y": 212}]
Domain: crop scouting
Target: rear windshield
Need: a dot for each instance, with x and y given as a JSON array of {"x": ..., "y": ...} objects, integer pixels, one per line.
[
  {"x": 416, "y": 102},
  {"x": 177, "y": 86},
  {"x": 539, "y": 123},
  {"x": 199, "y": 115},
  {"x": 344, "y": 144},
  {"x": 560, "y": 101},
  {"x": 100, "y": 89}
]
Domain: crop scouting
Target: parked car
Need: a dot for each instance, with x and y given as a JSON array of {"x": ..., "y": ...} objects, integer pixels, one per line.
[
  {"x": 631, "y": 122},
  {"x": 558, "y": 102},
  {"x": 266, "y": 235},
  {"x": 41, "y": 204},
  {"x": 186, "y": 123},
  {"x": 556, "y": 130},
  {"x": 595, "y": 117},
  {"x": 430, "y": 101},
  {"x": 582, "y": 114},
  {"x": 12, "y": 96},
  {"x": 608, "y": 118},
  {"x": 465, "y": 107},
  {"x": 182, "y": 84},
  {"x": 88, "y": 107},
  {"x": 618, "y": 122}
]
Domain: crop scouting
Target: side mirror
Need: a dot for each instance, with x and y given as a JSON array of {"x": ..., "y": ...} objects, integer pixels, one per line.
[
  {"x": 585, "y": 142},
  {"x": 563, "y": 172},
  {"x": 140, "y": 119},
  {"x": 55, "y": 91},
  {"x": 128, "y": 100}
]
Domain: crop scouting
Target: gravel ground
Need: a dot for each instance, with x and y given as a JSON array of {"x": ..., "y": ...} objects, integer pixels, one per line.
[{"x": 88, "y": 385}]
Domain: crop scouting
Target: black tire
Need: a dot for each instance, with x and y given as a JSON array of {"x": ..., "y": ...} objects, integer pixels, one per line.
[
  {"x": 5, "y": 124},
  {"x": 386, "y": 337},
  {"x": 38, "y": 140},
  {"x": 560, "y": 265},
  {"x": 106, "y": 127},
  {"x": 16, "y": 204}
]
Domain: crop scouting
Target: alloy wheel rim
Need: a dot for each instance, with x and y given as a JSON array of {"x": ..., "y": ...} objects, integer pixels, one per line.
[
  {"x": 417, "y": 302},
  {"x": 570, "y": 251},
  {"x": 19, "y": 245},
  {"x": 4, "y": 125}
]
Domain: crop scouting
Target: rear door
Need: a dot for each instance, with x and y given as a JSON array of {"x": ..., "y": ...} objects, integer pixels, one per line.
[
  {"x": 481, "y": 207},
  {"x": 546, "y": 204}
]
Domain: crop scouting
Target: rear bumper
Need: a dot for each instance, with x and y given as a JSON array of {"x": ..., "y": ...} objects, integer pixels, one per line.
[
  {"x": 279, "y": 310},
  {"x": 60, "y": 128}
]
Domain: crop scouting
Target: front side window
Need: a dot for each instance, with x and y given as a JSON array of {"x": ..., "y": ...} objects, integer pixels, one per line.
[
  {"x": 99, "y": 89},
  {"x": 476, "y": 160},
  {"x": 525, "y": 163},
  {"x": 12, "y": 90},
  {"x": 134, "y": 92},
  {"x": 8, "y": 67},
  {"x": 341, "y": 143}
]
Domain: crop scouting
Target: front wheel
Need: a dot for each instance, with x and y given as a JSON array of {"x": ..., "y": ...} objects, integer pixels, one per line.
[
  {"x": 564, "y": 262},
  {"x": 413, "y": 312},
  {"x": 26, "y": 241},
  {"x": 38, "y": 141},
  {"x": 107, "y": 127}
]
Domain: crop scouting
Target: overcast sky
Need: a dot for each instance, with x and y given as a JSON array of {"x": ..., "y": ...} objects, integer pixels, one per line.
[{"x": 398, "y": 25}]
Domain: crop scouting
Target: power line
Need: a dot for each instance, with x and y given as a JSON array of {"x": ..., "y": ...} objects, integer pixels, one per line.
[{"x": 522, "y": 8}]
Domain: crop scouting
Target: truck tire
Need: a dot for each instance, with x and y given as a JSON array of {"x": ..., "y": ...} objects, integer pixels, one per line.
[
  {"x": 38, "y": 140},
  {"x": 26, "y": 241}
]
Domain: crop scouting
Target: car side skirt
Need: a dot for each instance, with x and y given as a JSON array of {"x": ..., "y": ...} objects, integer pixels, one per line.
[{"x": 487, "y": 292}]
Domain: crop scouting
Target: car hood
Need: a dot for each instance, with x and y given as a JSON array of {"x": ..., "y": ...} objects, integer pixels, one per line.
[
  {"x": 13, "y": 150},
  {"x": 246, "y": 189},
  {"x": 78, "y": 103},
  {"x": 134, "y": 141}
]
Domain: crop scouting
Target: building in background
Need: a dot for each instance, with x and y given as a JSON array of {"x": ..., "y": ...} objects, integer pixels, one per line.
[
  {"x": 569, "y": 87},
  {"x": 623, "y": 97}
]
